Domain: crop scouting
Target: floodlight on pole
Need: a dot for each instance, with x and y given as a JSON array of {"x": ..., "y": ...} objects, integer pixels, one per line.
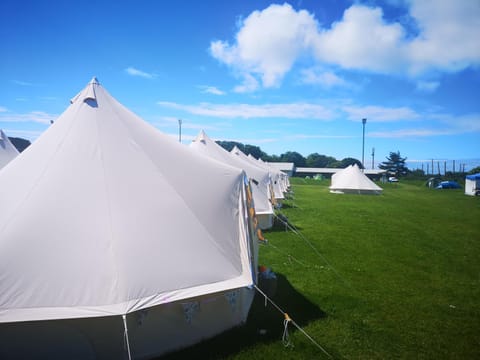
[
  {"x": 364, "y": 121},
  {"x": 180, "y": 130}
]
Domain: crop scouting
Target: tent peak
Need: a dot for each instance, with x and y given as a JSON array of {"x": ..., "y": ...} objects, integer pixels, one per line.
[
  {"x": 94, "y": 81},
  {"x": 88, "y": 94},
  {"x": 201, "y": 137}
]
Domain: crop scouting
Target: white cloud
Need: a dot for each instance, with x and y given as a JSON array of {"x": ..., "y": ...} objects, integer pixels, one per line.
[
  {"x": 309, "y": 136},
  {"x": 409, "y": 133},
  {"x": 135, "y": 72},
  {"x": 438, "y": 125},
  {"x": 3, "y": 109},
  {"x": 380, "y": 114},
  {"x": 427, "y": 86},
  {"x": 33, "y": 116},
  {"x": 211, "y": 90},
  {"x": 362, "y": 40},
  {"x": 247, "y": 111},
  {"x": 448, "y": 38},
  {"x": 249, "y": 84},
  {"x": 326, "y": 79},
  {"x": 23, "y": 83},
  {"x": 468, "y": 123},
  {"x": 269, "y": 42}
]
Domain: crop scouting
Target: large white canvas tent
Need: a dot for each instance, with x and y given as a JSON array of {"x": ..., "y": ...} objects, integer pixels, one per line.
[
  {"x": 352, "y": 180},
  {"x": 8, "y": 151},
  {"x": 260, "y": 180},
  {"x": 472, "y": 184},
  {"x": 108, "y": 249}
]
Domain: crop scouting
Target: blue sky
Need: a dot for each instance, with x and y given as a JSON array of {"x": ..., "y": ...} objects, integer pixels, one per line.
[{"x": 287, "y": 76}]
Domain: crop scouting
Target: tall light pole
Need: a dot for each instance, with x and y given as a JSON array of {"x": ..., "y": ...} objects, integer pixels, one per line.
[
  {"x": 373, "y": 158},
  {"x": 180, "y": 130},
  {"x": 364, "y": 121}
]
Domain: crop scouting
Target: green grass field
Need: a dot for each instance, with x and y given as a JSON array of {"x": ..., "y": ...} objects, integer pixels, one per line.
[{"x": 394, "y": 276}]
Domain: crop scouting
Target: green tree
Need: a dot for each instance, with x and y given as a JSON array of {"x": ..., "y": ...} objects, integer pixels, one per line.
[
  {"x": 229, "y": 145},
  {"x": 319, "y": 161},
  {"x": 19, "y": 143},
  {"x": 350, "y": 161},
  {"x": 247, "y": 149},
  {"x": 395, "y": 164},
  {"x": 474, "y": 171},
  {"x": 295, "y": 157},
  {"x": 255, "y": 151}
]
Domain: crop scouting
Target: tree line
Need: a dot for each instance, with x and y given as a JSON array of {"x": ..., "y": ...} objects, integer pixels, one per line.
[
  {"x": 394, "y": 165},
  {"x": 313, "y": 160}
]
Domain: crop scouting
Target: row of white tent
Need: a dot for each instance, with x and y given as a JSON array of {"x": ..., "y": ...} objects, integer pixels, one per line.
[
  {"x": 268, "y": 185},
  {"x": 108, "y": 249}
]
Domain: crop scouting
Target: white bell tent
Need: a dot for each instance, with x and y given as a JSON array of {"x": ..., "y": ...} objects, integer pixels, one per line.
[
  {"x": 8, "y": 151},
  {"x": 353, "y": 180},
  {"x": 108, "y": 249},
  {"x": 260, "y": 180},
  {"x": 279, "y": 176},
  {"x": 276, "y": 187}
]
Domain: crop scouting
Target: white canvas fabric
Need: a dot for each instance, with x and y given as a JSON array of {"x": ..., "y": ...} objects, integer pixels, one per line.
[
  {"x": 8, "y": 151},
  {"x": 98, "y": 218},
  {"x": 280, "y": 177},
  {"x": 260, "y": 180},
  {"x": 352, "y": 180},
  {"x": 278, "y": 193}
]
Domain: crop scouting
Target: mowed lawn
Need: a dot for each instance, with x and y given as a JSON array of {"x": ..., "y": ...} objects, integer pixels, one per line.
[{"x": 393, "y": 276}]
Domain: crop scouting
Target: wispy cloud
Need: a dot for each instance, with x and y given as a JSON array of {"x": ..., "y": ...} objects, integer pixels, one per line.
[
  {"x": 405, "y": 133},
  {"x": 24, "y": 83},
  {"x": 135, "y": 72},
  {"x": 380, "y": 113},
  {"x": 33, "y": 116},
  {"x": 3, "y": 109},
  {"x": 247, "y": 111},
  {"x": 249, "y": 84},
  {"x": 468, "y": 123},
  {"x": 427, "y": 86},
  {"x": 211, "y": 90},
  {"x": 312, "y": 136},
  {"x": 326, "y": 79},
  {"x": 438, "y": 125}
]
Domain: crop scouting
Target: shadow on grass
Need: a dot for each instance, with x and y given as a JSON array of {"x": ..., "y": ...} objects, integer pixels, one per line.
[
  {"x": 281, "y": 224},
  {"x": 289, "y": 205},
  {"x": 268, "y": 319}
]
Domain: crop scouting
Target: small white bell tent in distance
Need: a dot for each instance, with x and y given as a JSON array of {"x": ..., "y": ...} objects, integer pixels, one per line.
[{"x": 352, "y": 180}]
